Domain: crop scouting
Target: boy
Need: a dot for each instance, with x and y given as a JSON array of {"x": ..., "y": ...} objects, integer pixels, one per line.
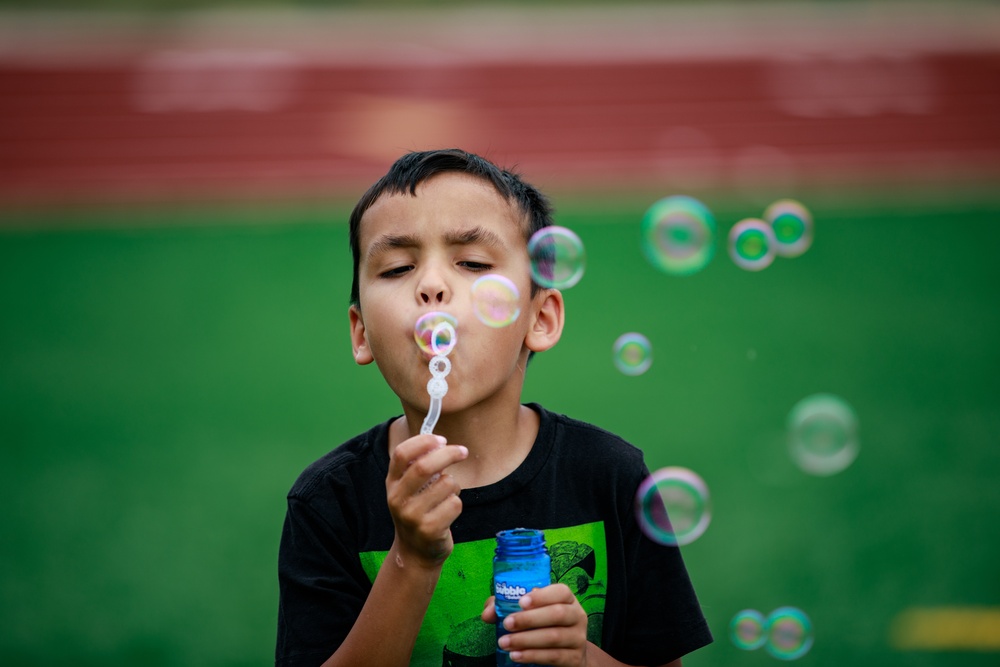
[{"x": 386, "y": 552}]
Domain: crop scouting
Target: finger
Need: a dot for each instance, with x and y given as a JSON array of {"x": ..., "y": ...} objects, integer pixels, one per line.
[
  {"x": 416, "y": 507},
  {"x": 489, "y": 614},
  {"x": 438, "y": 519},
  {"x": 411, "y": 449},
  {"x": 429, "y": 467},
  {"x": 549, "y": 616},
  {"x": 547, "y": 656},
  {"x": 547, "y": 595}
]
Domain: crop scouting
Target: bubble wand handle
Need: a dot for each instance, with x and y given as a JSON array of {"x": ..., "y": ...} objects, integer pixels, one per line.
[
  {"x": 439, "y": 367},
  {"x": 430, "y": 421}
]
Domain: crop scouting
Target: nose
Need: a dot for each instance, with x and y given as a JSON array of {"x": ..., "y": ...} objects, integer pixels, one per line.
[
  {"x": 431, "y": 297},
  {"x": 432, "y": 288}
]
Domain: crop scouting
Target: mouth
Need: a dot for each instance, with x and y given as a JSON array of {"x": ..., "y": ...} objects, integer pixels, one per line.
[{"x": 435, "y": 333}]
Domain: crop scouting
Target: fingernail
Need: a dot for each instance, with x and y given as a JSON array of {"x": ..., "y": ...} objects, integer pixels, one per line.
[
  {"x": 504, "y": 642},
  {"x": 525, "y": 601},
  {"x": 441, "y": 440},
  {"x": 508, "y": 623},
  {"x": 515, "y": 656},
  {"x": 464, "y": 450}
]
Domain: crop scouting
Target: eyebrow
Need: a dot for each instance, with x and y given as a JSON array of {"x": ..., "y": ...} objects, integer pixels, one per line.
[
  {"x": 388, "y": 242},
  {"x": 472, "y": 236}
]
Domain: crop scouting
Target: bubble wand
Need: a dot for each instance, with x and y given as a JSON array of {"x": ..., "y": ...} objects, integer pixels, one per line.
[{"x": 439, "y": 367}]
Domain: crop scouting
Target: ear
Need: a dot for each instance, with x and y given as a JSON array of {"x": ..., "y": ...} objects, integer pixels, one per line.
[
  {"x": 546, "y": 328},
  {"x": 359, "y": 337}
]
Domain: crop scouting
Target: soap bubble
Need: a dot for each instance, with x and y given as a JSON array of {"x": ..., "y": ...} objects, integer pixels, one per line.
[
  {"x": 792, "y": 225},
  {"x": 496, "y": 300},
  {"x": 633, "y": 354},
  {"x": 789, "y": 633},
  {"x": 823, "y": 434},
  {"x": 751, "y": 244},
  {"x": 557, "y": 257},
  {"x": 435, "y": 333},
  {"x": 672, "y": 506},
  {"x": 747, "y": 629},
  {"x": 678, "y": 235}
]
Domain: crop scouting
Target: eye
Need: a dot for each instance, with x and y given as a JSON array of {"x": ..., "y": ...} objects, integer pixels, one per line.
[
  {"x": 475, "y": 266},
  {"x": 395, "y": 272}
]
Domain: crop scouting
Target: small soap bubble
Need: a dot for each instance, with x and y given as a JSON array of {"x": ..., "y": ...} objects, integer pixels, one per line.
[
  {"x": 435, "y": 333},
  {"x": 672, "y": 506},
  {"x": 751, "y": 244},
  {"x": 557, "y": 257},
  {"x": 632, "y": 353},
  {"x": 792, "y": 225},
  {"x": 678, "y": 235},
  {"x": 789, "y": 633},
  {"x": 747, "y": 629},
  {"x": 496, "y": 300},
  {"x": 823, "y": 434}
]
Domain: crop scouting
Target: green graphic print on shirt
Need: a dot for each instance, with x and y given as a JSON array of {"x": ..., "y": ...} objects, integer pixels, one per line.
[{"x": 454, "y": 635}]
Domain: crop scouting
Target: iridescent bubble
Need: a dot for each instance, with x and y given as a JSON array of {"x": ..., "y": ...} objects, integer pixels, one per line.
[
  {"x": 496, "y": 300},
  {"x": 632, "y": 353},
  {"x": 751, "y": 244},
  {"x": 678, "y": 235},
  {"x": 823, "y": 434},
  {"x": 747, "y": 629},
  {"x": 672, "y": 506},
  {"x": 792, "y": 225},
  {"x": 435, "y": 333},
  {"x": 557, "y": 257},
  {"x": 789, "y": 633}
]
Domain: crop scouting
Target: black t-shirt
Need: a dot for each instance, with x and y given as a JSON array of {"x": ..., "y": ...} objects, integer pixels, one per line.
[{"x": 577, "y": 484}]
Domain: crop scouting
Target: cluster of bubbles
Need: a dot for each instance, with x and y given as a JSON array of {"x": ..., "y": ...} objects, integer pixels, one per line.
[
  {"x": 786, "y": 633},
  {"x": 558, "y": 260},
  {"x": 672, "y": 506},
  {"x": 678, "y": 235}
]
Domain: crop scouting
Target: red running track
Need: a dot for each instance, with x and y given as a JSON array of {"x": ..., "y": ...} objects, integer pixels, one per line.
[{"x": 248, "y": 121}]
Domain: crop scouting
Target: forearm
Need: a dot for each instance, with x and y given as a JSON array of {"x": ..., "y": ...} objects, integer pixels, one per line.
[{"x": 386, "y": 630}]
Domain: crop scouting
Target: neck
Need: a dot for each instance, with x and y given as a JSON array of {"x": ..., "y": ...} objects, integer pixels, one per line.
[{"x": 499, "y": 438}]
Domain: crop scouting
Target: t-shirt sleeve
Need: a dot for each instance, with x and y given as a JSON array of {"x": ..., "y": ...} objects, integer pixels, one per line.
[
  {"x": 664, "y": 620},
  {"x": 322, "y": 585}
]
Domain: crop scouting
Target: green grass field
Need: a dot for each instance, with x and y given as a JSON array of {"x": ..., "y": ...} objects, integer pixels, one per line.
[{"x": 165, "y": 375}]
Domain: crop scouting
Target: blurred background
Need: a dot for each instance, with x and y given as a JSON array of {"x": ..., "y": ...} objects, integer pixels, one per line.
[{"x": 175, "y": 180}]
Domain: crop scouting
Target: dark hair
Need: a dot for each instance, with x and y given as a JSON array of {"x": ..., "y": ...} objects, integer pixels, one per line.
[{"x": 414, "y": 168}]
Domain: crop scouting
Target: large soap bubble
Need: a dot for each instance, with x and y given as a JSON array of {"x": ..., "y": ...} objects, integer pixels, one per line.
[{"x": 678, "y": 235}]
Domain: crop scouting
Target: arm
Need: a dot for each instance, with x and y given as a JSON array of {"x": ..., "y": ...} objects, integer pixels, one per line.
[
  {"x": 423, "y": 508},
  {"x": 552, "y": 630}
]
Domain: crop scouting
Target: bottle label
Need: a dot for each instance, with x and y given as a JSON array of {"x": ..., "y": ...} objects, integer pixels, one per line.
[{"x": 507, "y": 592}]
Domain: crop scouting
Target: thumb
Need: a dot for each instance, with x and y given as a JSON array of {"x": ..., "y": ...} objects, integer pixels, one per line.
[{"x": 489, "y": 614}]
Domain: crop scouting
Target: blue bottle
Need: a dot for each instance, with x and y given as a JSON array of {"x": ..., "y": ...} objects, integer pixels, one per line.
[{"x": 521, "y": 564}]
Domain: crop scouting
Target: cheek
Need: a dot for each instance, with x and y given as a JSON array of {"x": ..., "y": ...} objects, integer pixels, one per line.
[{"x": 498, "y": 302}]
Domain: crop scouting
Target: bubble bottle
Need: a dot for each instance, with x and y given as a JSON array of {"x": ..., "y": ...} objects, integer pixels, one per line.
[{"x": 520, "y": 565}]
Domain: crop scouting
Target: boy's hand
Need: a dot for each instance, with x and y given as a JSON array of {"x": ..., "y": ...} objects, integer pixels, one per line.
[
  {"x": 551, "y": 629},
  {"x": 423, "y": 499}
]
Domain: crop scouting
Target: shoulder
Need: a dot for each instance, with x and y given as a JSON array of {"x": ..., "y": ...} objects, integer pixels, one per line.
[
  {"x": 350, "y": 464},
  {"x": 583, "y": 441}
]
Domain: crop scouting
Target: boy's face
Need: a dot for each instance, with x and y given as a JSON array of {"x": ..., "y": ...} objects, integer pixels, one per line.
[{"x": 423, "y": 253}]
